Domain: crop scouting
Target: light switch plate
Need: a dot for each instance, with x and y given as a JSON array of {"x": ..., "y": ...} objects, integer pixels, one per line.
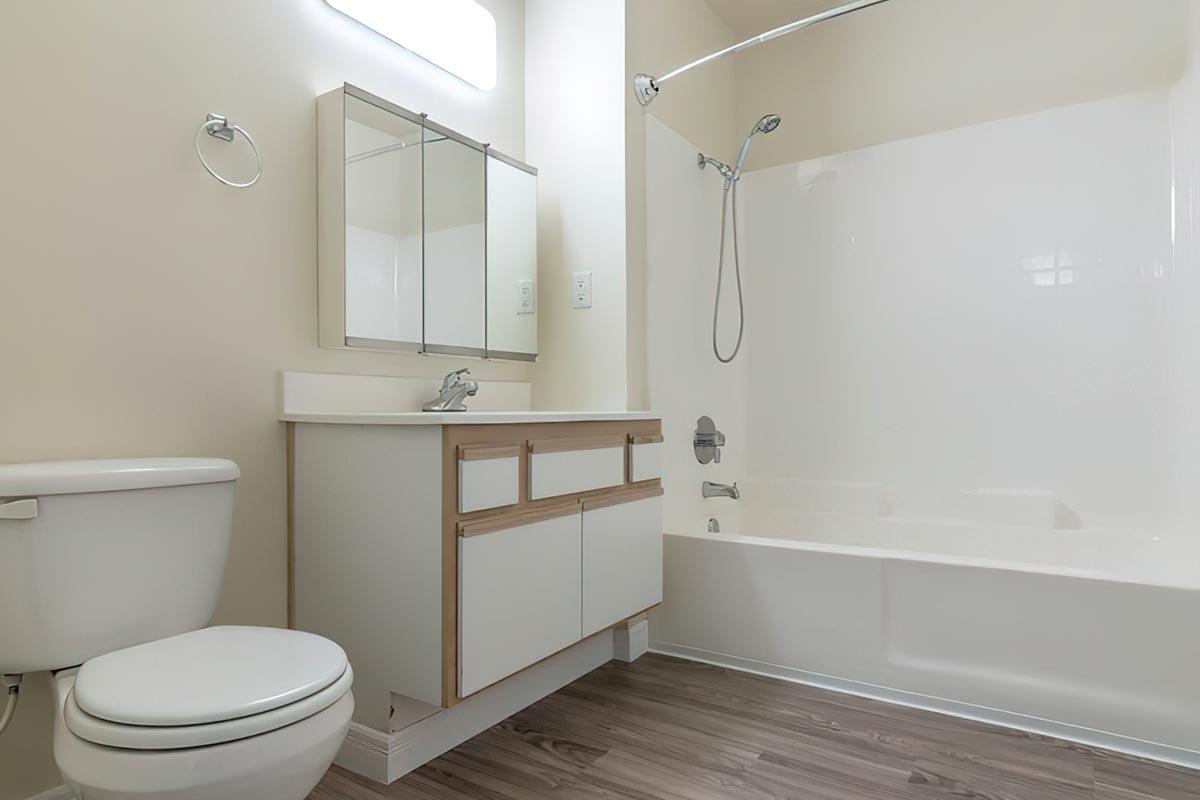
[
  {"x": 581, "y": 290},
  {"x": 526, "y": 298}
]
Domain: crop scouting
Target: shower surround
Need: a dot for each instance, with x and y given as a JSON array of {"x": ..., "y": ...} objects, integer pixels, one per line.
[{"x": 963, "y": 422}]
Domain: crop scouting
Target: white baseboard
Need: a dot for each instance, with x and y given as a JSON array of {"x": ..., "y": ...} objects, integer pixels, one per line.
[
  {"x": 366, "y": 752},
  {"x": 386, "y": 758},
  {"x": 1007, "y": 719},
  {"x": 57, "y": 793}
]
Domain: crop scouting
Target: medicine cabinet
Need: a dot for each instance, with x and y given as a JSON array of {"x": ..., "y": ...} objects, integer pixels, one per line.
[{"x": 427, "y": 239}]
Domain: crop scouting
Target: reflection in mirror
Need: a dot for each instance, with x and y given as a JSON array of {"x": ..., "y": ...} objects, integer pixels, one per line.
[
  {"x": 383, "y": 226},
  {"x": 511, "y": 260},
  {"x": 454, "y": 248}
]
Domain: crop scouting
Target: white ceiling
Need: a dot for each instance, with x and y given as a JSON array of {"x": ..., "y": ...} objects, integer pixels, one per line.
[{"x": 752, "y": 17}]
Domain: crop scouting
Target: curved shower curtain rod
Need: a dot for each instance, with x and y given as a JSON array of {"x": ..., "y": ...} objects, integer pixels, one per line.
[{"x": 645, "y": 87}]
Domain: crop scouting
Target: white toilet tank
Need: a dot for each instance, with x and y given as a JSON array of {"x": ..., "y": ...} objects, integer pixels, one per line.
[{"x": 100, "y": 555}]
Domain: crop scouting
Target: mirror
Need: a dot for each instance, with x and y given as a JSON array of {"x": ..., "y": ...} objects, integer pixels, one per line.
[
  {"x": 454, "y": 245},
  {"x": 383, "y": 227},
  {"x": 511, "y": 259},
  {"x": 426, "y": 239}
]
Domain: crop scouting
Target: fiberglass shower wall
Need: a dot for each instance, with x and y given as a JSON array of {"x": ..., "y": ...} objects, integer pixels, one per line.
[
  {"x": 995, "y": 322},
  {"x": 683, "y": 207},
  {"x": 979, "y": 309}
]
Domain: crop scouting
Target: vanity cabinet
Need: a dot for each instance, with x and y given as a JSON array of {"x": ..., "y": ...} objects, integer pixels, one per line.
[
  {"x": 426, "y": 238},
  {"x": 448, "y": 557}
]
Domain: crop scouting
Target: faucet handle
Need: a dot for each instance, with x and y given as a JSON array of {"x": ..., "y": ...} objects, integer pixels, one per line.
[
  {"x": 454, "y": 378},
  {"x": 707, "y": 441}
]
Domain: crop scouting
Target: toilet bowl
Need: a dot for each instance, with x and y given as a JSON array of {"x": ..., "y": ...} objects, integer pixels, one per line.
[
  {"x": 109, "y": 571},
  {"x": 219, "y": 713}
]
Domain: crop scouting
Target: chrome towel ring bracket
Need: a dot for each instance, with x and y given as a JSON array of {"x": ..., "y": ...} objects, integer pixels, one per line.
[{"x": 218, "y": 126}]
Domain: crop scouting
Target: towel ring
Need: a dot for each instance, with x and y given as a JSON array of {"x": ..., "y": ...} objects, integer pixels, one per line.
[{"x": 218, "y": 125}]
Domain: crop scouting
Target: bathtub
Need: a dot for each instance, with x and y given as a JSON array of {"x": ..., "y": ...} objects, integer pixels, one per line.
[{"x": 1090, "y": 636}]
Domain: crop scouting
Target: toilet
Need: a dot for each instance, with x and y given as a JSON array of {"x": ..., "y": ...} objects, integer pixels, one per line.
[{"x": 115, "y": 567}]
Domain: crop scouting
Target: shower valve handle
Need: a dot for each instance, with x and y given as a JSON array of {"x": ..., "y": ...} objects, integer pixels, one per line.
[{"x": 707, "y": 441}]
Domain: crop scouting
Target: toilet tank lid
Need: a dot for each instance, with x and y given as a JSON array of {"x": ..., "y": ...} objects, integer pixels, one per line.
[{"x": 111, "y": 475}]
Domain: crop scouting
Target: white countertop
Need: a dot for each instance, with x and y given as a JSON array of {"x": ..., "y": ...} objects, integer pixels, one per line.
[{"x": 463, "y": 417}]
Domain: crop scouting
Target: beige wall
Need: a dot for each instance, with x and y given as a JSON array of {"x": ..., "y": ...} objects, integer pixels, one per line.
[
  {"x": 662, "y": 35},
  {"x": 912, "y": 67},
  {"x": 146, "y": 309},
  {"x": 574, "y": 99}
]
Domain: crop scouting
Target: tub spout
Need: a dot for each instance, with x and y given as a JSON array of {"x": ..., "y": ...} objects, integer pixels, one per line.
[{"x": 710, "y": 489}]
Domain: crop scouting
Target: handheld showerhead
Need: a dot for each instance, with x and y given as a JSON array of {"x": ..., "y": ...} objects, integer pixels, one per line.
[{"x": 765, "y": 125}]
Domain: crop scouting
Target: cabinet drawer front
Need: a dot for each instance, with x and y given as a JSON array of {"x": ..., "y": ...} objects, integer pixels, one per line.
[
  {"x": 556, "y": 470},
  {"x": 645, "y": 460},
  {"x": 622, "y": 561},
  {"x": 519, "y": 598},
  {"x": 488, "y": 478}
]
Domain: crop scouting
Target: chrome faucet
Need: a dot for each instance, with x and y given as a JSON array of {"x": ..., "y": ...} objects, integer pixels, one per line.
[
  {"x": 455, "y": 390},
  {"x": 710, "y": 489}
]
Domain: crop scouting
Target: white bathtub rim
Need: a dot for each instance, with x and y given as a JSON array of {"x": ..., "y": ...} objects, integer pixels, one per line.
[
  {"x": 889, "y": 554},
  {"x": 1078, "y": 734}
]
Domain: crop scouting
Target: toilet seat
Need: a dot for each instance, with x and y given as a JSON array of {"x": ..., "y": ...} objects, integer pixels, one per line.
[
  {"x": 283, "y": 764},
  {"x": 147, "y": 737},
  {"x": 205, "y": 687}
]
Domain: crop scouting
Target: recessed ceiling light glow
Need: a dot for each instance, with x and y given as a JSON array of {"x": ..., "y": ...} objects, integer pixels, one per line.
[{"x": 457, "y": 35}]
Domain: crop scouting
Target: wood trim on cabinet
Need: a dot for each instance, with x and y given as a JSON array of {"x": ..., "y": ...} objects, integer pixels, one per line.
[
  {"x": 515, "y": 520},
  {"x": 539, "y": 446},
  {"x": 487, "y": 452},
  {"x": 645, "y": 438},
  {"x": 449, "y": 570},
  {"x": 622, "y": 497},
  {"x": 291, "y": 525}
]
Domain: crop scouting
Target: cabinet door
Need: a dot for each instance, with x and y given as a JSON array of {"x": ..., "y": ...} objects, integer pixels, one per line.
[
  {"x": 382, "y": 195},
  {"x": 560, "y": 467},
  {"x": 622, "y": 559},
  {"x": 489, "y": 476},
  {"x": 519, "y": 597},
  {"x": 511, "y": 259},
  {"x": 455, "y": 294},
  {"x": 645, "y": 457}
]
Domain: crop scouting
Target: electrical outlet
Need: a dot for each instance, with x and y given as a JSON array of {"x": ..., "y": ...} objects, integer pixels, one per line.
[
  {"x": 526, "y": 299},
  {"x": 581, "y": 290}
]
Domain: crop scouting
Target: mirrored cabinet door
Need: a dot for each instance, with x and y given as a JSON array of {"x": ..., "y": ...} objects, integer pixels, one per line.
[
  {"x": 454, "y": 198},
  {"x": 383, "y": 227},
  {"x": 426, "y": 239},
  {"x": 511, "y": 259}
]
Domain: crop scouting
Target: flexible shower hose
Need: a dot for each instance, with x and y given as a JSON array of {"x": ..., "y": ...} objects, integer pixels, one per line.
[{"x": 730, "y": 189}]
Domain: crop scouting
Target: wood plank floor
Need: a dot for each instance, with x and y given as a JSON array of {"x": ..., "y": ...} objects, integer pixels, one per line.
[{"x": 667, "y": 729}]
